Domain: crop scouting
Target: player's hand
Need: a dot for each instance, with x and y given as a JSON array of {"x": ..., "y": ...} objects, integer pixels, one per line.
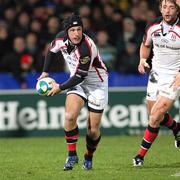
[
  {"x": 43, "y": 75},
  {"x": 176, "y": 83},
  {"x": 143, "y": 65},
  {"x": 55, "y": 89}
]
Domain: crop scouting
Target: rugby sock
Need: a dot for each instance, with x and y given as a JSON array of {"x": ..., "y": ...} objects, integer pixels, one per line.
[
  {"x": 71, "y": 140},
  {"x": 150, "y": 135},
  {"x": 91, "y": 147},
  {"x": 170, "y": 123}
]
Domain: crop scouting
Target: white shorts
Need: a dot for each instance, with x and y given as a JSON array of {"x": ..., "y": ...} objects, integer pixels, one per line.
[
  {"x": 96, "y": 94},
  {"x": 159, "y": 83}
]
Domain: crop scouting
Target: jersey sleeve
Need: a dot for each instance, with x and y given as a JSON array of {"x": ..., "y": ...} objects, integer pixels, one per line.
[
  {"x": 54, "y": 47},
  {"x": 57, "y": 42},
  {"x": 147, "y": 39}
]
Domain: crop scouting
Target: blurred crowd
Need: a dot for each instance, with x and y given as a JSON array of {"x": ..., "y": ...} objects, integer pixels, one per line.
[{"x": 28, "y": 26}]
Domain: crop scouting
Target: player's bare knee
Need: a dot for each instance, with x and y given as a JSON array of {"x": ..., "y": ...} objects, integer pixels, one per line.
[
  {"x": 154, "y": 121},
  {"x": 69, "y": 117},
  {"x": 93, "y": 132}
]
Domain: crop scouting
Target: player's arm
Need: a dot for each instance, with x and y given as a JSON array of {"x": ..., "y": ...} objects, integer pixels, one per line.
[
  {"x": 54, "y": 47},
  {"x": 145, "y": 51},
  {"x": 77, "y": 78},
  {"x": 80, "y": 74},
  {"x": 71, "y": 82}
]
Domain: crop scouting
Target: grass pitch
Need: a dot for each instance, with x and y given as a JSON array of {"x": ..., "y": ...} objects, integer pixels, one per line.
[{"x": 43, "y": 159}]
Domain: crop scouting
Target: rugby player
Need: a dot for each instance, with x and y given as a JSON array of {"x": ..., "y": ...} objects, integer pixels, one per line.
[
  {"x": 163, "y": 35},
  {"x": 88, "y": 83}
]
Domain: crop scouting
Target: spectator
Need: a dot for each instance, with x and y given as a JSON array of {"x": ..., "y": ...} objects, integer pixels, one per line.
[
  {"x": 150, "y": 15},
  {"x": 115, "y": 28},
  {"x": 5, "y": 42},
  {"x": 87, "y": 28},
  {"x": 22, "y": 27},
  {"x": 143, "y": 9},
  {"x": 85, "y": 11},
  {"x": 97, "y": 18},
  {"x": 26, "y": 63},
  {"x": 38, "y": 21},
  {"x": 53, "y": 27},
  {"x": 39, "y": 11},
  {"x": 128, "y": 35},
  {"x": 9, "y": 17},
  {"x": 129, "y": 60},
  {"x": 36, "y": 27},
  {"x": 32, "y": 44},
  {"x": 12, "y": 62},
  {"x": 107, "y": 51},
  {"x": 140, "y": 23}
]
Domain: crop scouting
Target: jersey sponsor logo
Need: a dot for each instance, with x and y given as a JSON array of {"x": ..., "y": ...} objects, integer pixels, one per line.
[
  {"x": 84, "y": 60},
  {"x": 173, "y": 48},
  {"x": 173, "y": 37},
  {"x": 164, "y": 40}
]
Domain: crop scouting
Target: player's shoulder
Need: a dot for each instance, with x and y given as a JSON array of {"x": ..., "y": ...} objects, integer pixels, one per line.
[
  {"x": 61, "y": 35},
  {"x": 86, "y": 45},
  {"x": 89, "y": 41},
  {"x": 154, "y": 22}
]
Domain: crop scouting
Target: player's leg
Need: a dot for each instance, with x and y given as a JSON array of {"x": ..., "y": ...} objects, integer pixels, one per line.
[
  {"x": 150, "y": 104},
  {"x": 168, "y": 122},
  {"x": 97, "y": 101},
  {"x": 161, "y": 106},
  {"x": 171, "y": 94},
  {"x": 73, "y": 105},
  {"x": 92, "y": 138}
]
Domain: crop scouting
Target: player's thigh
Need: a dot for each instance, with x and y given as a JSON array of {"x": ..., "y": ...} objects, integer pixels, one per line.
[
  {"x": 73, "y": 105},
  {"x": 162, "y": 105},
  {"x": 165, "y": 89}
]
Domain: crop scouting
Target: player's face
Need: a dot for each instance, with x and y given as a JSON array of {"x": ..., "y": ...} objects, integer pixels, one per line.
[
  {"x": 75, "y": 34},
  {"x": 169, "y": 11}
]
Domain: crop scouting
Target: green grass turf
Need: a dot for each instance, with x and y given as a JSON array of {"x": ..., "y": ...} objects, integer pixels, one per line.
[{"x": 43, "y": 159}]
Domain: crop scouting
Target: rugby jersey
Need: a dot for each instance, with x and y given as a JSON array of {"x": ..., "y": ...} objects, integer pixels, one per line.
[
  {"x": 166, "y": 44},
  {"x": 82, "y": 59}
]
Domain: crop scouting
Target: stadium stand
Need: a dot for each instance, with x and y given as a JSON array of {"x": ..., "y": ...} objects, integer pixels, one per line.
[{"x": 26, "y": 29}]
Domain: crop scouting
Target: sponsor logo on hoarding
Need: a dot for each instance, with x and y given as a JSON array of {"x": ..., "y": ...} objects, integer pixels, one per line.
[{"x": 42, "y": 117}]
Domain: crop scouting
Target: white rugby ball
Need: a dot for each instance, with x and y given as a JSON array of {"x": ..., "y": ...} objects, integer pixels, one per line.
[{"x": 43, "y": 86}]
